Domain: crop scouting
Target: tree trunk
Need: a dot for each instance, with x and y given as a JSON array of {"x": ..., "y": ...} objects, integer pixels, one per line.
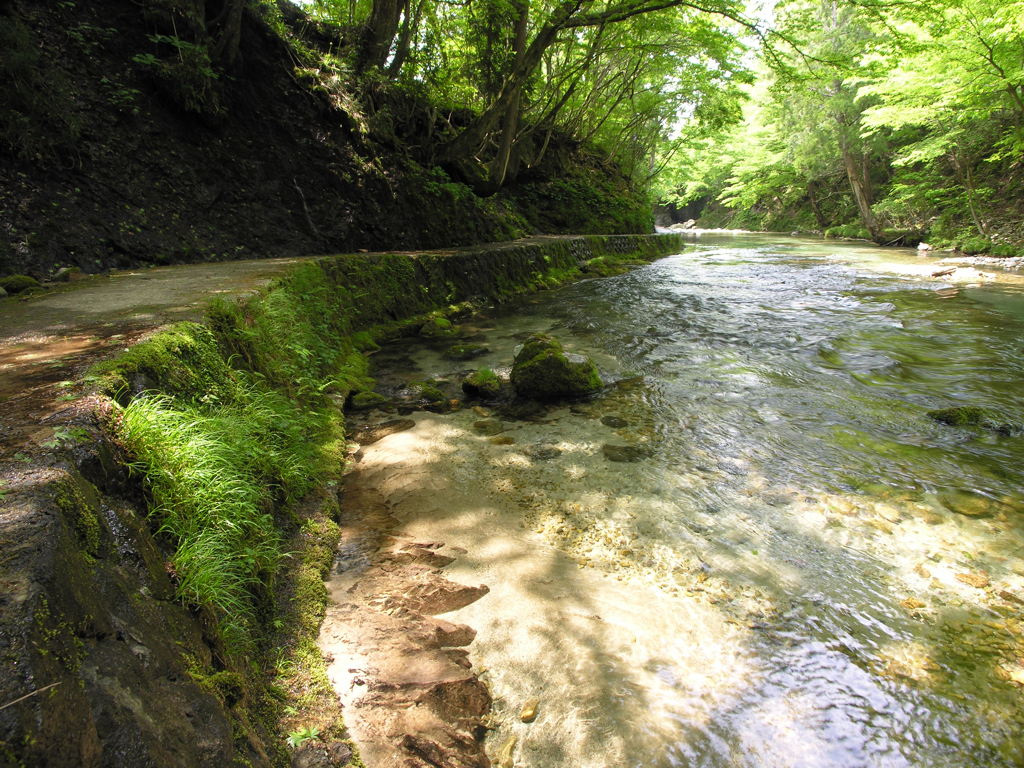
[
  {"x": 459, "y": 151},
  {"x": 970, "y": 201},
  {"x": 409, "y": 27},
  {"x": 867, "y": 216},
  {"x": 866, "y": 170},
  {"x": 498, "y": 170},
  {"x": 962, "y": 165},
  {"x": 812, "y": 195},
  {"x": 225, "y": 52},
  {"x": 378, "y": 35}
]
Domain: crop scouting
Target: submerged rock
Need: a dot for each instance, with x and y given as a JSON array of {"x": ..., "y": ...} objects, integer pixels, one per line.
[
  {"x": 973, "y": 416},
  {"x": 615, "y": 422},
  {"x": 529, "y": 711},
  {"x": 959, "y": 416},
  {"x": 542, "y": 370},
  {"x": 371, "y": 433},
  {"x": 524, "y": 410},
  {"x": 543, "y": 452},
  {"x": 464, "y": 351},
  {"x": 489, "y": 427},
  {"x": 625, "y": 452}
]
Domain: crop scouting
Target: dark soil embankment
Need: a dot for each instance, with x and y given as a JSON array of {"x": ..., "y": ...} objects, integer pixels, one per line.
[{"x": 108, "y": 160}]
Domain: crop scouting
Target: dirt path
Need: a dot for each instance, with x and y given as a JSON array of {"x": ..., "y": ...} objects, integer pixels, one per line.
[{"x": 48, "y": 341}]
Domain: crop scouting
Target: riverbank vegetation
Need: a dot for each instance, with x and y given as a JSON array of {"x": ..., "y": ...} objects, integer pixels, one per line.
[
  {"x": 893, "y": 122},
  {"x": 235, "y": 431}
]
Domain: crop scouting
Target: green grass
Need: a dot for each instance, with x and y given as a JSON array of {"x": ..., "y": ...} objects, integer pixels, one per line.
[{"x": 214, "y": 476}]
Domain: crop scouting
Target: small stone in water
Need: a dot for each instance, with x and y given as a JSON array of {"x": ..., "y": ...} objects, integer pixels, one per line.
[
  {"x": 543, "y": 452},
  {"x": 912, "y": 604},
  {"x": 489, "y": 427},
  {"x": 529, "y": 711},
  {"x": 977, "y": 580},
  {"x": 624, "y": 452},
  {"x": 500, "y": 440},
  {"x": 504, "y": 759},
  {"x": 615, "y": 422},
  {"x": 966, "y": 503}
]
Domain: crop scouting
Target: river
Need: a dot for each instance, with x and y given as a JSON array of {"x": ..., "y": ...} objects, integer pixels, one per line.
[{"x": 796, "y": 566}]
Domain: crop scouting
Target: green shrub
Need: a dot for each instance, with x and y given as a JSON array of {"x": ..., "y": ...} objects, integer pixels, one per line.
[{"x": 1004, "y": 251}]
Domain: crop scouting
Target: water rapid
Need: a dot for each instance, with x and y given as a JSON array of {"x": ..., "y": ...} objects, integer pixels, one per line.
[{"x": 805, "y": 568}]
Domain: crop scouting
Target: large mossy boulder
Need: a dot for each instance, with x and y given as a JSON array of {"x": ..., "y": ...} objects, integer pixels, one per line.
[
  {"x": 18, "y": 283},
  {"x": 543, "y": 371}
]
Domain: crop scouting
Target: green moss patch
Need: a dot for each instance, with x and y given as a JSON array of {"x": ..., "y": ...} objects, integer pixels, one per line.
[
  {"x": 960, "y": 416},
  {"x": 184, "y": 361},
  {"x": 438, "y": 328}
]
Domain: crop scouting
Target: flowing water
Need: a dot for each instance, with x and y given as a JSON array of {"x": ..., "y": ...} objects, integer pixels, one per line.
[{"x": 784, "y": 483}]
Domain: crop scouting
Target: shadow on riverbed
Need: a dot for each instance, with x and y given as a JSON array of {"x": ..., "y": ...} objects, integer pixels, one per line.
[{"x": 727, "y": 658}]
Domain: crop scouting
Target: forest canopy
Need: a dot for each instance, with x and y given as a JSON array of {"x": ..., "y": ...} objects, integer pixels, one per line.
[
  {"x": 886, "y": 121},
  {"x": 889, "y": 121}
]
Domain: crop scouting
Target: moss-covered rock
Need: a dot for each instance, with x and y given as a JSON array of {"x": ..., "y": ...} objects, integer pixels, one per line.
[
  {"x": 438, "y": 327},
  {"x": 542, "y": 370},
  {"x": 18, "y": 283},
  {"x": 1005, "y": 251},
  {"x": 64, "y": 274},
  {"x": 366, "y": 401},
  {"x": 431, "y": 394},
  {"x": 960, "y": 416},
  {"x": 183, "y": 360},
  {"x": 484, "y": 384}
]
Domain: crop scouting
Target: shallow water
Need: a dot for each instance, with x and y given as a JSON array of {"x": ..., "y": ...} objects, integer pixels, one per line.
[{"x": 790, "y": 484}]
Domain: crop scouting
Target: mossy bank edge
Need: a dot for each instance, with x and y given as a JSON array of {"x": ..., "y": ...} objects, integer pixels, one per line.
[{"x": 166, "y": 564}]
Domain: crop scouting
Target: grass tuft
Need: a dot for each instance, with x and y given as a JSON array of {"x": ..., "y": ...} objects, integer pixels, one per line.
[{"x": 214, "y": 475}]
